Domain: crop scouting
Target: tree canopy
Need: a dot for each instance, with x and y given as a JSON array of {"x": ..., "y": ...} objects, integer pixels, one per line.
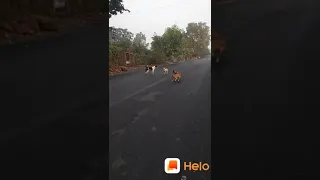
[
  {"x": 175, "y": 44},
  {"x": 199, "y": 36},
  {"x": 115, "y": 7}
]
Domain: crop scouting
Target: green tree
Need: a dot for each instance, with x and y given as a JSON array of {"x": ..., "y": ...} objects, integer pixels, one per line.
[
  {"x": 199, "y": 37},
  {"x": 115, "y": 7},
  {"x": 119, "y": 34},
  {"x": 140, "y": 50},
  {"x": 119, "y": 41},
  {"x": 157, "y": 49},
  {"x": 140, "y": 41},
  {"x": 172, "y": 42},
  {"x": 187, "y": 49},
  {"x": 157, "y": 43}
]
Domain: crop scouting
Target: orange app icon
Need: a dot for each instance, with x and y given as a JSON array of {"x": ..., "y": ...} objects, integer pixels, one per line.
[{"x": 172, "y": 165}]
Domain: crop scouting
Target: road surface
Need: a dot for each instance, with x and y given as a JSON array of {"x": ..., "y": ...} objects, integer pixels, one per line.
[
  {"x": 151, "y": 118},
  {"x": 264, "y": 103},
  {"x": 55, "y": 106},
  {"x": 265, "y": 96}
]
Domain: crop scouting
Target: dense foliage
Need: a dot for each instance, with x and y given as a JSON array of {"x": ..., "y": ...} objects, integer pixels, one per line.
[
  {"x": 175, "y": 44},
  {"x": 115, "y": 7}
]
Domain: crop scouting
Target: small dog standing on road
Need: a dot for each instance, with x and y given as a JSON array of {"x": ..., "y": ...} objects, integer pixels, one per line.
[
  {"x": 150, "y": 68},
  {"x": 176, "y": 76},
  {"x": 165, "y": 71}
]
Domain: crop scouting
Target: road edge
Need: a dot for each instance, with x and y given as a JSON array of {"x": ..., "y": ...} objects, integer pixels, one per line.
[{"x": 140, "y": 68}]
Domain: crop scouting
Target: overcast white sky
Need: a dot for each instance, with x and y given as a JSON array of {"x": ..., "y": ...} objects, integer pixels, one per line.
[{"x": 153, "y": 16}]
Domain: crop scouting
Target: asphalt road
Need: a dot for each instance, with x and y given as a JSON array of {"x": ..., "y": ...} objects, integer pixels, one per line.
[
  {"x": 265, "y": 95},
  {"x": 151, "y": 118},
  {"x": 264, "y": 100},
  {"x": 55, "y": 106}
]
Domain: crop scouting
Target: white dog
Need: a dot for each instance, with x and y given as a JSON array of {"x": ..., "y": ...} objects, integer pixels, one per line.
[
  {"x": 148, "y": 68},
  {"x": 165, "y": 71}
]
